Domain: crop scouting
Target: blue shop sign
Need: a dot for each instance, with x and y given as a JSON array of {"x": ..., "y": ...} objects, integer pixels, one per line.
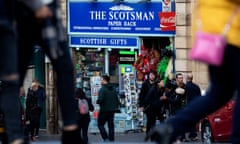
[
  {"x": 124, "y": 19},
  {"x": 103, "y": 42}
]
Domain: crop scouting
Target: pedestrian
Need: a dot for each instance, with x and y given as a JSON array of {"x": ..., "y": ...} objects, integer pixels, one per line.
[
  {"x": 155, "y": 101},
  {"x": 109, "y": 105},
  {"x": 32, "y": 109},
  {"x": 84, "y": 106},
  {"x": 39, "y": 23},
  {"x": 41, "y": 97},
  {"x": 178, "y": 100},
  {"x": 22, "y": 97},
  {"x": 192, "y": 91},
  {"x": 146, "y": 86},
  {"x": 224, "y": 79},
  {"x": 9, "y": 79}
]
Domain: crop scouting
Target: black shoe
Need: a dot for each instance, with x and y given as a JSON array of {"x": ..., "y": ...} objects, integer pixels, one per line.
[
  {"x": 71, "y": 137},
  {"x": 161, "y": 134},
  {"x": 194, "y": 138}
]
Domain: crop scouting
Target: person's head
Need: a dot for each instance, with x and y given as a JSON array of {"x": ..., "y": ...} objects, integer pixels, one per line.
[
  {"x": 166, "y": 2},
  {"x": 105, "y": 79},
  {"x": 79, "y": 93},
  {"x": 179, "y": 78},
  {"x": 160, "y": 83},
  {"x": 37, "y": 81},
  {"x": 22, "y": 91},
  {"x": 152, "y": 75},
  {"x": 189, "y": 77},
  {"x": 34, "y": 86}
]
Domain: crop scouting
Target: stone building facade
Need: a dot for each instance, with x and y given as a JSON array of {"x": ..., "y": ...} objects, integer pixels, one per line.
[{"x": 182, "y": 42}]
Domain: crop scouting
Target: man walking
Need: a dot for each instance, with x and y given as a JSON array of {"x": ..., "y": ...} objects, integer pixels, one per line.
[
  {"x": 192, "y": 91},
  {"x": 109, "y": 104}
]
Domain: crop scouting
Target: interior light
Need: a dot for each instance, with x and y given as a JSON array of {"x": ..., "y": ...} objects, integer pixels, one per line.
[
  {"x": 145, "y": 1},
  {"x": 118, "y": 1}
]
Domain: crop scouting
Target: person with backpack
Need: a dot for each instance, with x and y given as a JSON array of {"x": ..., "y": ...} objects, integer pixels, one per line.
[{"x": 84, "y": 105}]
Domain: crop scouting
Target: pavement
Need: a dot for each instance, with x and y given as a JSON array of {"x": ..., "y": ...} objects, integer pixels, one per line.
[
  {"x": 131, "y": 137},
  {"x": 95, "y": 138}
]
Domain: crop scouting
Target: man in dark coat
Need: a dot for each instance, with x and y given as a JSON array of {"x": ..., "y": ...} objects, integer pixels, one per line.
[
  {"x": 147, "y": 84},
  {"x": 109, "y": 104},
  {"x": 155, "y": 100},
  {"x": 192, "y": 91}
]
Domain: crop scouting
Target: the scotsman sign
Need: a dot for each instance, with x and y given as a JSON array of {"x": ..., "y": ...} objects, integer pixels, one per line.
[{"x": 123, "y": 19}]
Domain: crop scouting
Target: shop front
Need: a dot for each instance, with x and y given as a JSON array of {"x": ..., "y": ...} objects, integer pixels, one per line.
[{"x": 125, "y": 40}]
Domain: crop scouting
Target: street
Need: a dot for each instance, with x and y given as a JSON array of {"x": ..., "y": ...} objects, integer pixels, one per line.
[
  {"x": 120, "y": 138},
  {"x": 125, "y": 138}
]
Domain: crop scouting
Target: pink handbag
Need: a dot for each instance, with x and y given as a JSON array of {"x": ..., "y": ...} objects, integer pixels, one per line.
[{"x": 208, "y": 48}]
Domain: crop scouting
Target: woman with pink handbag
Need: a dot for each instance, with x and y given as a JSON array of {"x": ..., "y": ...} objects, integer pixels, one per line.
[{"x": 217, "y": 17}]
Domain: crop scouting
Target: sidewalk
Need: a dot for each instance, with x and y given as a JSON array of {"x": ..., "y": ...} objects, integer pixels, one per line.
[{"x": 129, "y": 138}]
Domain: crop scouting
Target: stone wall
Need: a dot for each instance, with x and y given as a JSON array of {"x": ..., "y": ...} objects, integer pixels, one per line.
[{"x": 183, "y": 44}]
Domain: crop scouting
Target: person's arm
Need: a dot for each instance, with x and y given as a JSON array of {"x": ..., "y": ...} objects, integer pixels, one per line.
[
  {"x": 100, "y": 97},
  {"x": 91, "y": 107},
  {"x": 142, "y": 95},
  {"x": 40, "y": 9},
  {"x": 33, "y": 4}
]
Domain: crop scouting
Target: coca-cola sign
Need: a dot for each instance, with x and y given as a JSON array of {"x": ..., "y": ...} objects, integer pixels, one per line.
[{"x": 167, "y": 21}]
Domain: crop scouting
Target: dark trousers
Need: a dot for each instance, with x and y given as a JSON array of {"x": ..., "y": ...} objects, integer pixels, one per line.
[
  {"x": 151, "y": 121},
  {"x": 224, "y": 80},
  {"x": 108, "y": 117},
  {"x": 9, "y": 100},
  {"x": 29, "y": 34},
  {"x": 35, "y": 121},
  {"x": 83, "y": 125},
  {"x": 152, "y": 117}
]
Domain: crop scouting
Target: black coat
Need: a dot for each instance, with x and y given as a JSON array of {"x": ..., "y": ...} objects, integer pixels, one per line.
[
  {"x": 146, "y": 86},
  {"x": 152, "y": 100},
  {"x": 192, "y": 91}
]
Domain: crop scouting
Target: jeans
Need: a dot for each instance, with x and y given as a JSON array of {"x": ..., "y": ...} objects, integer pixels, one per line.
[
  {"x": 224, "y": 81},
  {"x": 108, "y": 117},
  {"x": 29, "y": 35},
  {"x": 9, "y": 90}
]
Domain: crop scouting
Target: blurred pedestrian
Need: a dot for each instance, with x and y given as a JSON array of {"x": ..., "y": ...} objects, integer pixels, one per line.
[
  {"x": 41, "y": 97},
  {"x": 178, "y": 99},
  {"x": 39, "y": 23},
  {"x": 32, "y": 109},
  {"x": 109, "y": 105},
  {"x": 192, "y": 92},
  {"x": 155, "y": 101},
  {"x": 224, "y": 79},
  {"x": 9, "y": 79},
  {"x": 84, "y": 106},
  {"x": 146, "y": 86},
  {"x": 22, "y": 96}
]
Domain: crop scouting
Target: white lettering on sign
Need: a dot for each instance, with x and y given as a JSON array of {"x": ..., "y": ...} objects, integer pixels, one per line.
[
  {"x": 130, "y": 23},
  {"x": 93, "y": 41},
  {"x": 118, "y": 42},
  {"x": 122, "y": 15},
  {"x": 114, "y": 23},
  {"x": 98, "y": 15}
]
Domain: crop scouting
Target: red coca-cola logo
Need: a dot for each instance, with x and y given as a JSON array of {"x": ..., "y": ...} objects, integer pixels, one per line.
[{"x": 167, "y": 21}]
